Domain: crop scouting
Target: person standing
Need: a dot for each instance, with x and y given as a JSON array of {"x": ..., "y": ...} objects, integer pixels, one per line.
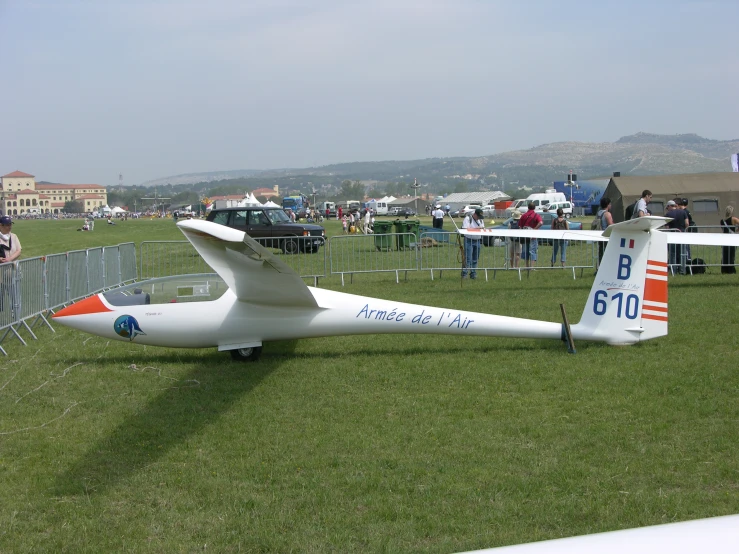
[
  {"x": 560, "y": 224},
  {"x": 679, "y": 224},
  {"x": 366, "y": 222},
  {"x": 641, "y": 205},
  {"x": 530, "y": 246},
  {"x": 438, "y": 214},
  {"x": 606, "y": 219},
  {"x": 730, "y": 225},
  {"x": 10, "y": 250},
  {"x": 514, "y": 243},
  {"x": 10, "y": 246},
  {"x": 473, "y": 220}
]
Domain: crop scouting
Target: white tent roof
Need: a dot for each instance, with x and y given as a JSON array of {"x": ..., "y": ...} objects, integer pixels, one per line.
[
  {"x": 270, "y": 204},
  {"x": 251, "y": 200},
  {"x": 117, "y": 210}
]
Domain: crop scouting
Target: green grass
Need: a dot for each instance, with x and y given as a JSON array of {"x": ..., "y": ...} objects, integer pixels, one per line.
[{"x": 368, "y": 444}]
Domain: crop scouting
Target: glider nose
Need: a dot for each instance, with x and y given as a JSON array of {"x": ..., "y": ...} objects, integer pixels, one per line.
[{"x": 91, "y": 305}]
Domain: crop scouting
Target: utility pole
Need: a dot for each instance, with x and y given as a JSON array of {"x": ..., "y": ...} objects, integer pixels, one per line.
[{"x": 415, "y": 186}]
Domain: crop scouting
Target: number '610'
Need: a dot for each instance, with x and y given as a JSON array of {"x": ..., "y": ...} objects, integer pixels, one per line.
[{"x": 629, "y": 308}]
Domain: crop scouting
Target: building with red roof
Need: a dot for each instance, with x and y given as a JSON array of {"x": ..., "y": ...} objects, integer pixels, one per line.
[{"x": 21, "y": 194}]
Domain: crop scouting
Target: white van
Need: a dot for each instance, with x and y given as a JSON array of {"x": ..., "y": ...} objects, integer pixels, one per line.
[
  {"x": 379, "y": 207},
  {"x": 541, "y": 199},
  {"x": 330, "y": 206},
  {"x": 554, "y": 206}
]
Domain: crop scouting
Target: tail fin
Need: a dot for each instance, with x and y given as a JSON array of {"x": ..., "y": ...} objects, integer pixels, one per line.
[{"x": 628, "y": 301}]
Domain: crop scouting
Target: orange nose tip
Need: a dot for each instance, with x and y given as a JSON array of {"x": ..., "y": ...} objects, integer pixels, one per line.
[{"x": 91, "y": 305}]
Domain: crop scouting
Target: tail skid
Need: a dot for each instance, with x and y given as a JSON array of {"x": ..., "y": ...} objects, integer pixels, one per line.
[{"x": 628, "y": 300}]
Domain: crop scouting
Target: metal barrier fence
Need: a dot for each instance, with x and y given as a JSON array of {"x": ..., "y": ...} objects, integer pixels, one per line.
[
  {"x": 391, "y": 252},
  {"x": 32, "y": 288},
  {"x": 500, "y": 255}
]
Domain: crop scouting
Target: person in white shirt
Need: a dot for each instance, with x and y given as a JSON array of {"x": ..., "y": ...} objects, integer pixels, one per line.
[
  {"x": 472, "y": 243},
  {"x": 438, "y": 215}
]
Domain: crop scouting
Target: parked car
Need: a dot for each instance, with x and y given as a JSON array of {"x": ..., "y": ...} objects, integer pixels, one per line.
[
  {"x": 264, "y": 223},
  {"x": 554, "y": 206},
  {"x": 400, "y": 211},
  {"x": 461, "y": 212}
]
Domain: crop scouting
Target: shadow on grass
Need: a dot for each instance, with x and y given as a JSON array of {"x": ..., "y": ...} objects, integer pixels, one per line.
[{"x": 195, "y": 401}]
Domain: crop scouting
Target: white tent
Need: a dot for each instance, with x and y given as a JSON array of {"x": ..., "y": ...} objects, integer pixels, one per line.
[
  {"x": 105, "y": 209},
  {"x": 251, "y": 200},
  {"x": 117, "y": 210},
  {"x": 270, "y": 204}
]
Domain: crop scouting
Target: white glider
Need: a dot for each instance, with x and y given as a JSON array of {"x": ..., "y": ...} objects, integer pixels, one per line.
[
  {"x": 717, "y": 535},
  {"x": 265, "y": 300}
]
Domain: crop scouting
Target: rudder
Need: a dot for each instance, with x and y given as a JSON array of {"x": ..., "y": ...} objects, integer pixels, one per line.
[{"x": 628, "y": 300}]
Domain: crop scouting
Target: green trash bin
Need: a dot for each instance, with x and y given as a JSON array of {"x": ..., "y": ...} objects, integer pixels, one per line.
[
  {"x": 382, "y": 230},
  {"x": 404, "y": 227}
]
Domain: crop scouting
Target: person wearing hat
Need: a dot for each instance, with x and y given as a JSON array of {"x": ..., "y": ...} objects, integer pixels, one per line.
[
  {"x": 472, "y": 243},
  {"x": 679, "y": 224},
  {"x": 438, "y": 215},
  {"x": 10, "y": 246},
  {"x": 514, "y": 244}
]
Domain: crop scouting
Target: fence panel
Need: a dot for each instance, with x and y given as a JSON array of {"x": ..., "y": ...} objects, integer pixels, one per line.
[
  {"x": 8, "y": 299},
  {"x": 374, "y": 253},
  {"x": 78, "y": 280},
  {"x": 57, "y": 284},
  {"x": 174, "y": 257},
  {"x": 112, "y": 261},
  {"x": 128, "y": 262},
  {"x": 95, "y": 270},
  {"x": 30, "y": 286}
]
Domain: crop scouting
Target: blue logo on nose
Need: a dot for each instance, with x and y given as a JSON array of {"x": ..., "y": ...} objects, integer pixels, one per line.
[{"x": 127, "y": 326}]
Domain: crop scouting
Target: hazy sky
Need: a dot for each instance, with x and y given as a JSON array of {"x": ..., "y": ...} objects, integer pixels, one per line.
[{"x": 94, "y": 88}]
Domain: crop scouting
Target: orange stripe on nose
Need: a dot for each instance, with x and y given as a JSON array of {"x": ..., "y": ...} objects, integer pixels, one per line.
[{"x": 90, "y": 305}]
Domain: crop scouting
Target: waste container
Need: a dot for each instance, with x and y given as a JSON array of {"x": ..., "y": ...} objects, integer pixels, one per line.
[
  {"x": 404, "y": 227},
  {"x": 382, "y": 230}
]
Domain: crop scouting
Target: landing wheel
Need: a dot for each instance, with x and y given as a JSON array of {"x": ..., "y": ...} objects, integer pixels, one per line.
[{"x": 250, "y": 354}]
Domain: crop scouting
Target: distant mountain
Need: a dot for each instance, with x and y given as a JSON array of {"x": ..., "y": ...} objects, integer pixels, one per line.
[
  {"x": 638, "y": 154},
  {"x": 202, "y": 177}
]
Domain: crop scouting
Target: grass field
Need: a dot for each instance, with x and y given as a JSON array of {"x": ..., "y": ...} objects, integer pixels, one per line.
[{"x": 368, "y": 444}]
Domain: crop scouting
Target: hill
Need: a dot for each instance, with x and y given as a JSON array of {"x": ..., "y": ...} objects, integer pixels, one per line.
[{"x": 638, "y": 154}]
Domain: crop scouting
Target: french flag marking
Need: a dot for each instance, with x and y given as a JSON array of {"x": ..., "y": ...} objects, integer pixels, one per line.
[{"x": 625, "y": 245}]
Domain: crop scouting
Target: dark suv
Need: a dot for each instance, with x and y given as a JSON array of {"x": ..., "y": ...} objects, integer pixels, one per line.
[{"x": 264, "y": 223}]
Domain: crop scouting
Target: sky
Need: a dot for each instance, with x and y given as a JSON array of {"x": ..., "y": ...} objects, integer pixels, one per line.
[{"x": 94, "y": 89}]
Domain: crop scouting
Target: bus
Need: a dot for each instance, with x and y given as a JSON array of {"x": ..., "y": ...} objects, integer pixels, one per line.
[{"x": 295, "y": 203}]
